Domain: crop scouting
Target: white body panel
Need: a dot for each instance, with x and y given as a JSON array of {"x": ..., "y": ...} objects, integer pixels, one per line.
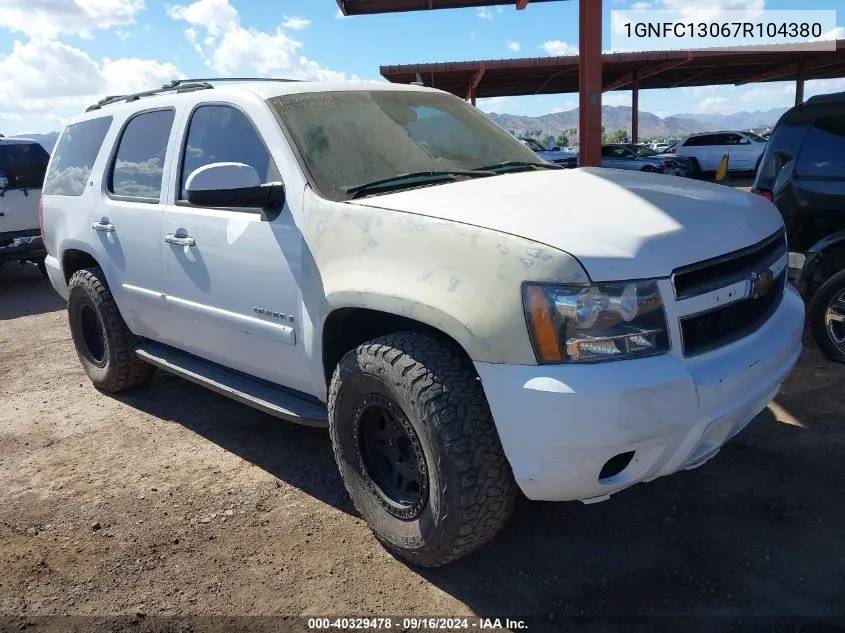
[{"x": 19, "y": 210}]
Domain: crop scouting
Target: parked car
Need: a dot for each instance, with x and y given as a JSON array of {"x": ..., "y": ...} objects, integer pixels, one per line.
[
  {"x": 663, "y": 146},
  {"x": 643, "y": 158},
  {"x": 463, "y": 330},
  {"x": 803, "y": 172},
  {"x": 744, "y": 150},
  {"x": 22, "y": 166},
  {"x": 553, "y": 153}
]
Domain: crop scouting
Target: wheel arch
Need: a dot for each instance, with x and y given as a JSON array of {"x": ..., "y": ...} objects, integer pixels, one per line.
[
  {"x": 824, "y": 259},
  {"x": 349, "y": 324}
]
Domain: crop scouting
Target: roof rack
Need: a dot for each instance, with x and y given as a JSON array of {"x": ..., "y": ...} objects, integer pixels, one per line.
[{"x": 178, "y": 85}]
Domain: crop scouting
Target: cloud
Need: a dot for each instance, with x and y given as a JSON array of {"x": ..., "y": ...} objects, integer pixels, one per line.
[
  {"x": 557, "y": 48},
  {"x": 230, "y": 49},
  {"x": 713, "y": 8},
  {"x": 485, "y": 14},
  {"x": 50, "y": 18},
  {"x": 296, "y": 24},
  {"x": 514, "y": 46},
  {"x": 715, "y": 105},
  {"x": 53, "y": 81}
]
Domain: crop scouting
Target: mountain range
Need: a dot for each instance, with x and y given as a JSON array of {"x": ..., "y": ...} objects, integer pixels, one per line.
[
  {"x": 614, "y": 118},
  {"x": 619, "y": 118}
]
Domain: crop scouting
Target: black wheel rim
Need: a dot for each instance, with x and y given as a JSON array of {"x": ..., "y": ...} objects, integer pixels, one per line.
[
  {"x": 834, "y": 320},
  {"x": 392, "y": 457},
  {"x": 93, "y": 336}
]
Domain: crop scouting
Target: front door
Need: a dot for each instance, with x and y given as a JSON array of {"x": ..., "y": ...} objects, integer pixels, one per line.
[{"x": 230, "y": 274}]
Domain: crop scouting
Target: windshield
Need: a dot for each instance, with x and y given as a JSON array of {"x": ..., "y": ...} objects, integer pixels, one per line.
[
  {"x": 756, "y": 137},
  {"x": 351, "y": 138},
  {"x": 23, "y": 165}
]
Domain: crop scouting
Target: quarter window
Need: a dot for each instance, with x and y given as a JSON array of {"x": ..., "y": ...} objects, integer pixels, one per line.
[
  {"x": 222, "y": 134},
  {"x": 138, "y": 167},
  {"x": 823, "y": 154},
  {"x": 74, "y": 157}
]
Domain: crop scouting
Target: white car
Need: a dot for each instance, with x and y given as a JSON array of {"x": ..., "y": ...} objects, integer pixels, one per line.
[
  {"x": 385, "y": 261},
  {"x": 23, "y": 162},
  {"x": 744, "y": 150}
]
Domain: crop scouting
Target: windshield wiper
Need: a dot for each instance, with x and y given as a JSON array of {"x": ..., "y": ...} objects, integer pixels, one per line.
[
  {"x": 421, "y": 177},
  {"x": 511, "y": 164}
]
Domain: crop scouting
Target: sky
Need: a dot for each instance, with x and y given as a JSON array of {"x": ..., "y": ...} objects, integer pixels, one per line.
[{"x": 59, "y": 56}]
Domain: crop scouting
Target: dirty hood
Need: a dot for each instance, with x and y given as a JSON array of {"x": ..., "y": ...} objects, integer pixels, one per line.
[{"x": 619, "y": 224}]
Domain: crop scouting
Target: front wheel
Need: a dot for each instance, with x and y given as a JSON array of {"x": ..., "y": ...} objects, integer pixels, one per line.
[
  {"x": 417, "y": 449},
  {"x": 827, "y": 317},
  {"x": 103, "y": 341}
]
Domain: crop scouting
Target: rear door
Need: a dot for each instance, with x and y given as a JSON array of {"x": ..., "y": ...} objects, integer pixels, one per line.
[
  {"x": 22, "y": 168},
  {"x": 125, "y": 230},
  {"x": 741, "y": 156}
]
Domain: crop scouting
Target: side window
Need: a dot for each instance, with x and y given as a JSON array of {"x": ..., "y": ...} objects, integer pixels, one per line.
[
  {"x": 607, "y": 152},
  {"x": 138, "y": 166},
  {"x": 74, "y": 157},
  {"x": 823, "y": 154},
  {"x": 708, "y": 140},
  {"x": 694, "y": 141},
  {"x": 730, "y": 139},
  {"x": 221, "y": 134}
]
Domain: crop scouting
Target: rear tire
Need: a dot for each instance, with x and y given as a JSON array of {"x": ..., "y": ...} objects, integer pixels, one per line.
[
  {"x": 104, "y": 344},
  {"x": 827, "y": 305},
  {"x": 413, "y": 400},
  {"x": 696, "y": 169}
]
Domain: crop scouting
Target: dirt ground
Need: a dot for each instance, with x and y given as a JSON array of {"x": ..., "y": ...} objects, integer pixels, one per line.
[{"x": 176, "y": 501}]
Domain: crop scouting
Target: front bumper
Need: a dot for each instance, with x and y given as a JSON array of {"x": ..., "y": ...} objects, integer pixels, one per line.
[
  {"x": 25, "y": 245},
  {"x": 560, "y": 425}
]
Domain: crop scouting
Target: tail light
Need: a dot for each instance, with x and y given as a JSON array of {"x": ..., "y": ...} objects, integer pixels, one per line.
[
  {"x": 766, "y": 194},
  {"x": 41, "y": 218},
  {"x": 673, "y": 151}
]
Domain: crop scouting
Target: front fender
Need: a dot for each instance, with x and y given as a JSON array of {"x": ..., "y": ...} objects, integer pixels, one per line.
[{"x": 463, "y": 280}]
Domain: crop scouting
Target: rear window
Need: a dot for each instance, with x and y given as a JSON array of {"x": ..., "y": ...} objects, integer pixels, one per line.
[
  {"x": 23, "y": 165},
  {"x": 74, "y": 157},
  {"x": 823, "y": 154},
  {"x": 782, "y": 148}
]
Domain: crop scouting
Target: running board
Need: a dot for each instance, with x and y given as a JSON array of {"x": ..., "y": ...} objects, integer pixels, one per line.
[{"x": 252, "y": 392}]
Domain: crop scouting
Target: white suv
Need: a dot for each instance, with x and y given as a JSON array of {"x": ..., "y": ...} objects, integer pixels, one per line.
[
  {"x": 23, "y": 162},
  {"x": 744, "y": 150},
  {"x": 385, "y": 261}
]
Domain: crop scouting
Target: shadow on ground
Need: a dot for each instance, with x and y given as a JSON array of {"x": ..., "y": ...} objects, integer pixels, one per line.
[
  {"x": 24, "y": 291},
  {"x": 755, "y": 532}
]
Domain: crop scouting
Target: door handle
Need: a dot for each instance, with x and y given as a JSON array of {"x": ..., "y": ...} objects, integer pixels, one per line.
[
  {"x": 103, "y": 227},
  {"x": 180, "y": 240}
]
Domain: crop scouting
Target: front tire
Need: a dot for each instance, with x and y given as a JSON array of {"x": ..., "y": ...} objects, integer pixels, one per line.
[
  {"x": 417, "y": 449},
  {"x": 827, "y": 318},
  {"x": 104, "y": 344}
]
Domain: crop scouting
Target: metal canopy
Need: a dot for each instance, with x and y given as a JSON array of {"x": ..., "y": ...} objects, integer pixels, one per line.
[
  {"x": 657, "y": 69},
  {"x": 370, "y": 7}
]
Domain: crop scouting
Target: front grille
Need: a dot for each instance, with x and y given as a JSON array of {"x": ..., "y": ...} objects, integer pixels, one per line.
[
  {"x": 709, "y": 330},
  {"x": 722, "y": 271}
]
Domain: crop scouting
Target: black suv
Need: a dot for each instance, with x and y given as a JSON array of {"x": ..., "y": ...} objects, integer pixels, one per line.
[{"x": 803, "y": 172}]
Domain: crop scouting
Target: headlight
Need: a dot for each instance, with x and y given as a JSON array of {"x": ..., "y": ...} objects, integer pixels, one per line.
[{"x": 599, "y": 322}]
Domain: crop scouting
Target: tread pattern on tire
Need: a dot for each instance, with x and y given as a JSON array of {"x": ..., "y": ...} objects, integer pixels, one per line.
[
  {"x": 128, "y": 370},
  {"x": 444, "y": 388},
  {"x": 816, "y": 313}
]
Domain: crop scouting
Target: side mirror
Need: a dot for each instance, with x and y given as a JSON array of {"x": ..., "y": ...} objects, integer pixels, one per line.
[{"x": 232, "y": 185}]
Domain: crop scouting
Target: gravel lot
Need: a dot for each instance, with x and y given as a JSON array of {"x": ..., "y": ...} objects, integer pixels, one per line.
[{"x": 172, "y": 500}]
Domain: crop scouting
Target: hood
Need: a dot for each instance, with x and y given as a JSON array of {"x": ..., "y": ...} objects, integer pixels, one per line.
[{"x": 619, "y": 224}]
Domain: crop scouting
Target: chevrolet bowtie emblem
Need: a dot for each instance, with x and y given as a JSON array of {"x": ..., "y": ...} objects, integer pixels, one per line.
[{"x": 759, "y": 284}]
